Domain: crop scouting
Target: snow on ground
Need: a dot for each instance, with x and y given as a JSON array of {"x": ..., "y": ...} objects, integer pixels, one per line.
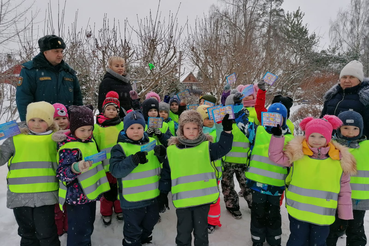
[{"x": 233, "y": 232}]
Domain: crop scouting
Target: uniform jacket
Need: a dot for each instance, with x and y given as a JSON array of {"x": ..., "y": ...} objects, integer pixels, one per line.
[
  {"x": 294, "y": 151},
  {"x": 40, "y": 81}
]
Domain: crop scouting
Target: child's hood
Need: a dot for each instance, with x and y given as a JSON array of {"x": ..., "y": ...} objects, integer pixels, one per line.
[{"x": 294, "y": 151}]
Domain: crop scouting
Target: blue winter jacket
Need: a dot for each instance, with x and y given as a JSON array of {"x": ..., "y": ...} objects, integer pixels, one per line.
[{"x": 41, "y": 81}]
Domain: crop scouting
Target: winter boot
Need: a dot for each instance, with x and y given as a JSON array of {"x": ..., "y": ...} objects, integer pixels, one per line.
[
  {"x": 106, "y": 220},
  {"x": 147, "y": 240},
  {"x": 211, "y": 229},
  {"x": 235, "y": 214},
  {"x": 119, "y": 216}
]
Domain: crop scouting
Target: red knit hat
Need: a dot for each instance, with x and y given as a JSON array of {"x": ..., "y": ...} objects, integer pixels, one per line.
[
  {"x": 324, "y": 126},
  {"x": 111, "y": 98}
]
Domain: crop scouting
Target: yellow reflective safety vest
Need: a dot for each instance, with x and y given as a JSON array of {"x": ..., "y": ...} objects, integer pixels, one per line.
[
  {"x": 106, "y": 138},
  {"x": 252, "y": 115},
  {"x": 313, "y": 191},
  {"x": 240, "y": 147},
  {"x": 32, "y": 169},
  {"x": 360, "y": 182},
  {"x": 173, "y": 116},
  {"x": 172, "y": 128},
  {"x": 163, "y": 130},
  {"x": 261, "y": 168},
  {"x": 217, "y": 163},
  {"x": 193, "y": 176},
  {"x": 143, "y": 182},
  {"x": 290, "y": 125},
  {"x": 93, "y": 181}
]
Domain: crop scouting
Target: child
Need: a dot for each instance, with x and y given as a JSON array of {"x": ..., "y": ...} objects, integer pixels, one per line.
[
  {"x": 350, "y": 134},
  {"x": 176, "y": 108},
  {"x": 150, "y": 108},
  {"x": 226, "y": 93},
  {"x": 164, "y": 113},
  {"x": 249, "y": 103},
  {"x": 193, "y": 176},
  {"x": 266, "y": 180},
  {"x": 82, "y": 182},
  {"x": 32, "y": 186},
  {"x": 207, "y": 97},
  {"x": 138, "y": 175},
  {"x": 62, "y": 120},
  {"x": 154, "y": 95},
  {"x": 318, "y": 182},
  {"x": 116, "y": 79},
  {"x": 106, "y": 133}
]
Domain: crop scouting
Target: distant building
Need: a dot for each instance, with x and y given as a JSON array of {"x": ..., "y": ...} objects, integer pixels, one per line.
[
  {"x": 192, "y": 83},
  {"x": 11, "y": 76}
]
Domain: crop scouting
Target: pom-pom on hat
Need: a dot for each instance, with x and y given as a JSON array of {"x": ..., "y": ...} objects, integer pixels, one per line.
[
  {"x": 324, "y": 126},
  {"x": 50, "y": 42},
  {"x": 60, "y": 110},
  {"x": 189, "y": 116},
  {"x": 353, "y": 68},
  {"x": 42, "y": 110},
  {"x": 203, "y": 111},
  {"x": 80, "y": 116},
  {"x": 111, "y": 98},
  {"x": 152, "y": 94},
  {"x": 133, "y": 117},
  {"x": 163, "y": 106},
  {"x": 149, "y": 104},
  {"x": 351, "y": 118},
  {"x": 280, "y": 109}
]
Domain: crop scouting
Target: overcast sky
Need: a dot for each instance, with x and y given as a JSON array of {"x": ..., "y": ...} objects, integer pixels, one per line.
[{"x": 318, "y": 13}]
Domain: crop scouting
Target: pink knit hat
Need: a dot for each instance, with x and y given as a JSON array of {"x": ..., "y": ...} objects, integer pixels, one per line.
[
  {"x": 324, "y": 126},
  {"x": 152, "y": 94},
  {"x": 60, "y": 110}
]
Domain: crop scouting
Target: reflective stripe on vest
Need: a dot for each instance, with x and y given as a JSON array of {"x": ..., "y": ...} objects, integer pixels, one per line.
[
  {"x": 62, "y": 194},
  {"x": 240, "y": 147},
  {"x": 94, "y": 181},
  {"x": 314, "y": 199},
  {"x": 262, "y": 169},
  {"x": 360, "y": 182},
  {"x": 143, "y": 182},
  {"x": 196, "y": 185},
  {"x": 38, "y": 173}
]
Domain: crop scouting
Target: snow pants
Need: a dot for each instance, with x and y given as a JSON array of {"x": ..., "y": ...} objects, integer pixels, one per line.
[{"x": 109, "y": 200}]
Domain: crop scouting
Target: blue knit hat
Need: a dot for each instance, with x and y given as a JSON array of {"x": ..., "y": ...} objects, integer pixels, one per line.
[
  {"x": 133, "y": 117},
  {"x": 174, "y": 99},
  {"x": 351, "y": 118},
  {"x": 280, "y": 109}
]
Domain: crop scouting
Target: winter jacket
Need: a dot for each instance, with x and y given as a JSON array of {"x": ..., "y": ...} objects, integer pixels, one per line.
[
  {"x": 122, "y": 165},
  {"x": 225, "y": 94},
  {"x": 337, "y": 100},
  {"x": 40, "y": 81},
  {"x": 119, "y": 84},
  {"x": 14, "y": 200},
  {"x": 297, "y": 148},
  {"x": 67, "y": 157}
]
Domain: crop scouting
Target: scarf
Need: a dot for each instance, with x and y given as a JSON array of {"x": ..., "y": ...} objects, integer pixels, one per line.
[
  {"x": 104, "y": 121},
  {"x": 118, "y": 76},
  {"x": 192, "y": 143}
]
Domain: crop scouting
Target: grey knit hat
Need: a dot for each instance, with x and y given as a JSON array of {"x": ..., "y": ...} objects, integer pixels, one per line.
[
  {"x": 163, "y": 106},
  {"x": 229, "y": 100},
  {"x": 189, "y": 116},
  {"x": 353, "y": 68}
]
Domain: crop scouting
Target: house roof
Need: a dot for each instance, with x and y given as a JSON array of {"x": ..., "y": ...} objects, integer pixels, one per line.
[{"x": 189, "y": 78}]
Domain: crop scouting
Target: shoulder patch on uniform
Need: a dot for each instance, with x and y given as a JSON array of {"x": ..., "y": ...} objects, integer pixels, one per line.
[
  {"x": 20, "y": 81},
  {"x": 45, "y": 78},
  {"x": 68, "y": 79}
]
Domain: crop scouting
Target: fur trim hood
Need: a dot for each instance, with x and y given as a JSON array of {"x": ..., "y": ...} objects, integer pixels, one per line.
[
  {"x": 294, "y": 152},
  {"x": 363, "y": 92}
]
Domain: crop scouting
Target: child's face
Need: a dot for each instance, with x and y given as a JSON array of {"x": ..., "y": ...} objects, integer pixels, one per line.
[
  {"x": 317, "y": 140},
  {"x": 174, "y": 107},
  {"x": 110, "y": 112},
  {"x": 350, "y": 131},
  {"x": 37, "y": 125},
  {"x": 163, "y": 114},
  {"x": 152, "y": 113},
  {"x": 118, "y": 66},
  {"x": 191, "y": 131},
  {"x": 202, "y": 100},
  {"x": 62, "y": 122},
  {"x": 135, "y": 132},
  {"x": 83, "y": 132},
  {"x": 208, "y": 123}
]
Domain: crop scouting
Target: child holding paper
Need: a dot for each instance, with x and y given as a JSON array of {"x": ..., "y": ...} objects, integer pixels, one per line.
[
  {"x": 249, "y": 101},
  {"x": 106, "y": 133},
  {"x": 191, "y": 175},
  {"x": 138, "y": 174},
  {"x": 32, "y": 186},
  {"x": 319, "y": 181},
  {"x": 164, "y": 110},
  {"x": 82, "y": 182}
]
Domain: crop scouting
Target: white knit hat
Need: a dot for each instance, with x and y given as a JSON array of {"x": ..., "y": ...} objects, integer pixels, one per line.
[
  {"x": 42, "y": 110},
  {"x": 353, "y": 68}
]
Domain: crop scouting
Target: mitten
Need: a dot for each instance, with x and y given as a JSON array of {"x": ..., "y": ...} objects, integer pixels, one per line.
[
  {"x": 150, "y": 131},
  {"x": 237, "y": 98},
  {"x": 163, "y": 202},
  {"x": 81, "y": 166},
  {"x": 227, "y": 123},
  {"x": 160, "y": 150},
  {"x": 60, "y": 135},
  {"x": 261, "y": 85},
  {"x": 140, "y": 158},
  {"x": 277, "y": 131},
  {"x": 133, "y": 94},
  {"x": 157, "y": 132}
]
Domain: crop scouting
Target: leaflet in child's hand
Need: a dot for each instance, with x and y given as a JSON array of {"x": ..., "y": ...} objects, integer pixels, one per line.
[
  {"x": 271, "y": 119},
  {"x": 96, "y": 157},
  {"x": 9, "y": 129},
  {"x": 248, "y": 91},
  {"x": 185, "y": 94},
  {"x": 209, "y": 103},
  {"x": 219, "y": 113},
  {"x": 270, "y": 78},
  {"x": 231, "y": 79},
  {"x": 148, "y": 147},
  {"x": 192, "y": 106},
  {"x": 155, "y": 122},
  {"x": 210, "y": 111},
  {"x": 134, "y": 86}
]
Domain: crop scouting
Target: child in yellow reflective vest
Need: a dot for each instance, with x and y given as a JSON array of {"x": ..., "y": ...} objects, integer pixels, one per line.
[
  {"x": 319, "y": 180},
  {"x": 164, "y": 110},
  {"x": 82, "y": 182},
  {"x": 137, "y": 168},
  {"x": 106, "y": 133},
  {"x": 191, "y": 176},
  {"x": 32, "y": 185},
  {"x": 350, "y": 134}
]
